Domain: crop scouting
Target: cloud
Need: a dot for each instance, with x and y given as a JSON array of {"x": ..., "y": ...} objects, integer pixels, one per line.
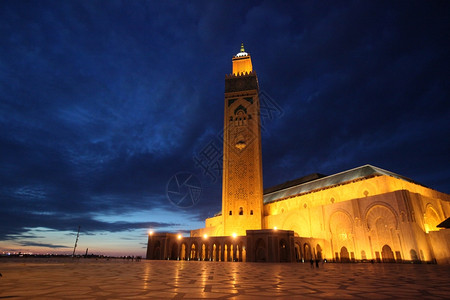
[
  {"x": 101, "y": 106},
  {"x": 46, "y": 245}
]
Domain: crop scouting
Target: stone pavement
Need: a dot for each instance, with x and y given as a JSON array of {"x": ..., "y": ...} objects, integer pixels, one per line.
[{"x": 118, "y": 279}]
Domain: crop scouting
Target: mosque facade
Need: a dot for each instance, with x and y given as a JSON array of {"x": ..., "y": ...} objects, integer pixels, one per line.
[{"x": 362, "y": 214}]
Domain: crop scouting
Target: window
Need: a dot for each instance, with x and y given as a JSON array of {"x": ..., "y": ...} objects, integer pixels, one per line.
[
  {"x": 231, "y": 213},
  {"x": 251, "y": 212},
  {"x": 241, "y": 211}
]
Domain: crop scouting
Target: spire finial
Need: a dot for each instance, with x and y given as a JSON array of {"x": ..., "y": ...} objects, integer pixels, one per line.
[{"x": 242, "y": 47}]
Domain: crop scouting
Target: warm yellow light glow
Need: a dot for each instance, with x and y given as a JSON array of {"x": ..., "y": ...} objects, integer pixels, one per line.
[
  {"x": 205, "y": 236},
  {"x": 150, "y": 232},
  {"x": 179, "y": 236},
  {"x": 234, "y": 234},
  {"x": 275, "y": 228}
]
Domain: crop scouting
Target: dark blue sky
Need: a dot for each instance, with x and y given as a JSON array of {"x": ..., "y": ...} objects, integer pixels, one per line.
[{"x": 102, "y": 102}]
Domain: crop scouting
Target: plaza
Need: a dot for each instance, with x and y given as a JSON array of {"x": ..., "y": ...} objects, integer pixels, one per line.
[{"x": 29, "y": 278}]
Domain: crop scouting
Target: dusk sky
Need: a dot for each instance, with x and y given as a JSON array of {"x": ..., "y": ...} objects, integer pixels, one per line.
[{"x": 103, "y": 102}]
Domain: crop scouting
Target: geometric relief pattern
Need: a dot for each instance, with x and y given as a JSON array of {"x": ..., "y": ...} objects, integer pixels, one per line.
[
  {"x": 431, "y": 219},
  {"x": 297, "y": 223},
  {"x": 341, "y": 226},
  {"x": 382, "y": 223},
  {"x": 381, "y": 215}
]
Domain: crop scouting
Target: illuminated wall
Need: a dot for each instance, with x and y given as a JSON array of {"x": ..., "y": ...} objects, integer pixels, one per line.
[{"x": 374, "y": 218}]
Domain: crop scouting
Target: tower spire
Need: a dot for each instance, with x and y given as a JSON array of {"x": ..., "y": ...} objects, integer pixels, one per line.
[{"x": 242, "y": 47}]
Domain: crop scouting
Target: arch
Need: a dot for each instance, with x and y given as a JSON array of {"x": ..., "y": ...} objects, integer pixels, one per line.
[
  {"x": 363, "y": 255},
  {"x": 380, "y": 210},
  {"x": 241, "y": 211},
  {"x": 297, "y": 252},
  {"x": 193, "y": 251},
  {"x": 341, "y": 224},
  {"x": 414, "y": 256},
  {"x": 345, "y": 258},
  {"x": 431, "y": 218},
  {"x": 307, "y": 255},
  {"x": 260, "y": 252},
  {"x": 240, "y": 108},
  {"x": 319, "y": 252},
  {"x": 387, "y": 254}
]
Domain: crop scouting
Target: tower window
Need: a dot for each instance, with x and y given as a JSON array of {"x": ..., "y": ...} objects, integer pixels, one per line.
[
  {"x": 251, "y": 212},
  {"x": 231, "y": 213},
  {"x": 241, "y": 211}
]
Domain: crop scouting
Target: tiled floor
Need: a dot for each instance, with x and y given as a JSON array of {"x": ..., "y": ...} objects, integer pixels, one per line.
[{"x": 102, "y": 279}]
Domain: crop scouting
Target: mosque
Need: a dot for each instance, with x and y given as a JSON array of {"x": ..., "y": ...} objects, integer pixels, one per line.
[{"x": 362, "y": 214}]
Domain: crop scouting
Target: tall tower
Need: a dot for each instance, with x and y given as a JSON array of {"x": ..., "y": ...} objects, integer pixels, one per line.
[{"x": 242, "y": 187}]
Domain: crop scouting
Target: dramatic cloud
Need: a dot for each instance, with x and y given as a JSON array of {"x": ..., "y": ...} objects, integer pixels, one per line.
[{"x": 102, "y": 102}]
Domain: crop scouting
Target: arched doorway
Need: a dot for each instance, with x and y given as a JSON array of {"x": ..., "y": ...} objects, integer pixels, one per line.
[
  {"x": 344, "y": 255},
  {"x": 414, "y": 256},
  {"x": 297, "y": 252},
  {"x": 387, "y": 254},
  {"x": 193, "y": 254},
  {"x": 307, "y": 255},
  {"x": 363, "y": 255},
  {"x": 319, "y": 252},
  {"x": 260, "y": 254}
]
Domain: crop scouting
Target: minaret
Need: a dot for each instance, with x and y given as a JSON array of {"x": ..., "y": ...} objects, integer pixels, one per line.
[{"x": 242, "y": 189}]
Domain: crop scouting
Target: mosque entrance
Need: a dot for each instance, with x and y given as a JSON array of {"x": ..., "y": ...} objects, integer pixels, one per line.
[
  {"x": 344, "y": 255},
  {"x": 387, "y": 254}
]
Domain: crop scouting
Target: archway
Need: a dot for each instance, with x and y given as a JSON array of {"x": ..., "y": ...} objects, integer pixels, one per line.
[
  {"x": 414, "y": 256},
  {"x": 363, "y": 255},
  {"x": 344, "y": 255},
  {"x": 260, "y": 254},
  {"x": 307, "y": 255},
  {"x": 297, "y": 252},
  {"x": 319, "y": 252},
  {"x": 387, "y": 254},
  {"x": 193, "y": 254}
]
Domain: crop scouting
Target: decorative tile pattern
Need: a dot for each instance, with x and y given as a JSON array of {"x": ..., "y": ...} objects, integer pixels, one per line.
[{"x": 118, "y": 279}]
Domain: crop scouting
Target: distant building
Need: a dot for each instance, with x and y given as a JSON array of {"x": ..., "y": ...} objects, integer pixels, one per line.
[{"x": 362, "y": 214}]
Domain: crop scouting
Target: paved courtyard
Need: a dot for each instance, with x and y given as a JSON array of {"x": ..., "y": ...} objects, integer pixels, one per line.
[{"x": 118, "y": 279}]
